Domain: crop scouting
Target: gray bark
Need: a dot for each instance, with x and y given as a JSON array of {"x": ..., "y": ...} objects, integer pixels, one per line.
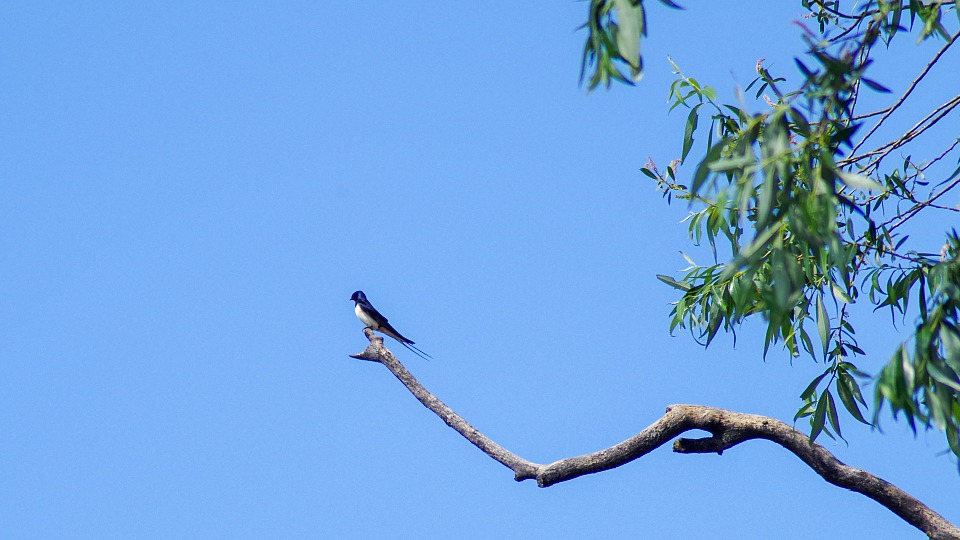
[{"x": 727, "y": 429}]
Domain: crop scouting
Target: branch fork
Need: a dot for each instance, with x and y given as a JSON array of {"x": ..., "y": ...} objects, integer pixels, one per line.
[{"x": 727, "y": 429}]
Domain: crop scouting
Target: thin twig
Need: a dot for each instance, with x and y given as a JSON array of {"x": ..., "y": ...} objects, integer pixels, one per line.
[
  {"x": 942, "y": 155},
  {"x": 930, "y": 120},
  {"x": 904, "y": 217},
  {"x": 910, "y": 89}
]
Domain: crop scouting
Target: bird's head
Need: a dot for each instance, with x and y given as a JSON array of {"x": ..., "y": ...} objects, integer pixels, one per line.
[{"x": 359, "y": 297}]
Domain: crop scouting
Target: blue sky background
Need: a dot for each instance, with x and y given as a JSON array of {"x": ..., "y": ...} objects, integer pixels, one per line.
[{"x": 191, "y": 191}]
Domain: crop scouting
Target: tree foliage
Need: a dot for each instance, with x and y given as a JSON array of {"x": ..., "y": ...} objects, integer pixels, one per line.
[{"x": 803, "y": 206}]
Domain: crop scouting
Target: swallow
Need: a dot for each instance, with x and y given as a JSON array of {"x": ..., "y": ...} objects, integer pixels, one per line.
[{"x": 369, "y": 316}]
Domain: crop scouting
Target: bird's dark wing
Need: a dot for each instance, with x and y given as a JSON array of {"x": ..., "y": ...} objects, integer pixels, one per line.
[
  {"x": 381, "y": 320},
  {"x": 389, "y": 330}
]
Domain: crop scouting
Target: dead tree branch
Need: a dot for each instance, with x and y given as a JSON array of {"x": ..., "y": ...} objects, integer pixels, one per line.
[{"x": 727, "y": 429}]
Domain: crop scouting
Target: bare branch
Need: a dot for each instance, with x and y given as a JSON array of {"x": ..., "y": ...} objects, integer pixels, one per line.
[
  {"x": 929, "y": 121},
  {"x": 888, "y": 111},
  {"x": 905, "y": 216},
  {"x": 727, "y": 429},
  {"x": 942, "y": 154},
  {"x": 376, "y": 352}
]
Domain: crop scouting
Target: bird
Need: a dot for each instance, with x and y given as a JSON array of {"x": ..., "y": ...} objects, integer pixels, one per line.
[{"x": 369, "y": 316}]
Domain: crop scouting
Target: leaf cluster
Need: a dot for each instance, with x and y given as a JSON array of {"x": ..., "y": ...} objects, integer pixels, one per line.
[
  {"x": 612, "y": 50},
  {"x": 921, "y": 379},
  {"x": 801, "y": 213}
]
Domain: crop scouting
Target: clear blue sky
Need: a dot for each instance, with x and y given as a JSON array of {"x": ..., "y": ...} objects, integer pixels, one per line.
[{"x": 191, "y": 191}]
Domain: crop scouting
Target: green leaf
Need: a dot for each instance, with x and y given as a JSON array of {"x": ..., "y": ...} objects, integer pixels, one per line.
[
  {"x": 630, "y": 26},
  {"x": 845, "y": 385},
  {"x": 688, "y": 132},
  {"x": 875, "y": 85},
  {"x": 803, "y": 68},
  {"x": 766, "y": 196},
  {"x": 674, "y": 283},
  {"x": 703, "y": 170},
  {"x": 751, "y": 249},
  {"x": 823, "y": 324},
  {"x": 812, "y": 387},
  {"x": 840, "y": 294},
  {"x": 802, "y": 126},
  {"x": 859, "y": 181},
  {"x": 804, "y": 411},
  {"x": 819, "y": 416},
  {"x": 732, "y": 163},
  {"x": 951, "y": 345},
  {"x": 832, "y": 411},
  {"x": 938, "y": 406},
  {"x": 676, "y": 6},
  {"x": 953, "y": 437},
  {"x": 850, "y": 368},
  {"x": 941, "y": 375},
  {"x": 906, "y": 368}
]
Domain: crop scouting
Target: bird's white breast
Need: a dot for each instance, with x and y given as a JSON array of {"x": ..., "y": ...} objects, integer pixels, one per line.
[{"x": 364, "y": 318}]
